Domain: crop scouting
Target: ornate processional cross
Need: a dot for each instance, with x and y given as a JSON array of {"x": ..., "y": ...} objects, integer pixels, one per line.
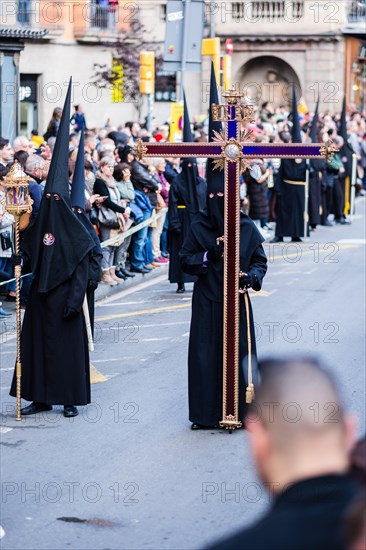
[{"x": 232, "y": 151}]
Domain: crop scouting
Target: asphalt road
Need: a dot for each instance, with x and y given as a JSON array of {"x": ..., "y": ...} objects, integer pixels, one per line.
[{"x": 128, "y": 473}]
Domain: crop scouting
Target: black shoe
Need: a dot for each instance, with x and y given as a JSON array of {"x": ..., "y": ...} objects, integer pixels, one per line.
[
  {"x": 10, "y": 298},
  {"x": 70, "y": 411},
  {"x": 126, "y": 273},
  {"x": 296, "y": 240},
  {"x": 202, "y": 427},
  {"x": 35, "y": 408},
  {"x": 140, "y": 269},
  {"x": 276, "y": 240},
  {"x": 181, "y": 288},
  {"x": 120, "y": 275},
  {"x": 342, "y": 221}
]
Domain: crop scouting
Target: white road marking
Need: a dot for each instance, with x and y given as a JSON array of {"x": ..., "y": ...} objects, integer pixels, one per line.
[
  {"x": 114, "y": 304},
  {"x": 152, "y": 325},
  {"x": 155, "y": 339},
  {"x": 352, "y": 241},
  {"x": 112, "y": 359},
  {"x": 4, "y": 430}
]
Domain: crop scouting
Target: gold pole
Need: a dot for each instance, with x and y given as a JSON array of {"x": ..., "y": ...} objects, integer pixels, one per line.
[{"x": 18, "y": 367}]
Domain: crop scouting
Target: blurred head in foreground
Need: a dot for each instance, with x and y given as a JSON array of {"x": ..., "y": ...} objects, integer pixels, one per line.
[{"x": 298, "y": 428}]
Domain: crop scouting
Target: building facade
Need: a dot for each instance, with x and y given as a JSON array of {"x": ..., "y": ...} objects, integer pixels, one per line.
[{"x": 319, "y": 46}]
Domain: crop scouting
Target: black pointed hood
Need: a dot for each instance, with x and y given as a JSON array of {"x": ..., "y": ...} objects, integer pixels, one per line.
[
  {"x": 187, "y": 131},
  {"x": 314, "y": 124},
  {"x": 215, "y": 178},
  {"x": 343, "y": 121},
  {"x": 56, "y": 242},
  {"x": 77, "y": 195},
  {"x": 57, "y": 179},
  {"x": 189, "y": 172},
  {"x": 295, "y": 130},
  {"x": 346, "y": 150}
]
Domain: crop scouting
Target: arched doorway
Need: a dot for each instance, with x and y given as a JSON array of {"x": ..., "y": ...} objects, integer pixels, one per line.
[{"x": 268, "y": 78}]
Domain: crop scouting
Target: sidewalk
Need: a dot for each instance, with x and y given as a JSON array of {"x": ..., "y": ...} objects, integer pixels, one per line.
[{"x": 104, "y": 291}]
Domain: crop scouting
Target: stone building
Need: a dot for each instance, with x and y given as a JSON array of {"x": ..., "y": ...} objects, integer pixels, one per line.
[{"x": 317, "y": 45}]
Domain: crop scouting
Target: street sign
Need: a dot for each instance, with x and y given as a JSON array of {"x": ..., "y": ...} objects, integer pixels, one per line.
[{"x": 184, "y": 34}]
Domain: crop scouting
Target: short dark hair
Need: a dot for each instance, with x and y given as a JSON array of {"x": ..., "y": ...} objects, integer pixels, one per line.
[{"x": 3, "y": 142}]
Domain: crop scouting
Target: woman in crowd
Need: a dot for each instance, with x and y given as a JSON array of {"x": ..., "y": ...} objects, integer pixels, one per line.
[
  {"x": 122, "y": 175},
  {"x": 163, "y": 198},
  {"x": 53, "y": 124},
  {"x": 257, "y": 188},
  {"x": 105, "y": 186}
]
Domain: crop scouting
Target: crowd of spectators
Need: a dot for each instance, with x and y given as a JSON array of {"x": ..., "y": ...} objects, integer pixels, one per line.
[{"x": 134, "y": 190}]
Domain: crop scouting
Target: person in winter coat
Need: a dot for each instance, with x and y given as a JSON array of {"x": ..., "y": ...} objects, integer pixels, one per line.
[{"x": 257, "y": 188}]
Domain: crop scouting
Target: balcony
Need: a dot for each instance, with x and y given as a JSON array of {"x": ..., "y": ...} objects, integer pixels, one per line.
[
  {"x": 259, "y": 17},
  {"x": 356, "y": 12},
  {"x": 267, "y": 10},
  {"x": 29, "y": 16},
  {"x": 356, "y": 18},
  {"x": 247, "y": 19},
  {"x": 98, "y": 23}
]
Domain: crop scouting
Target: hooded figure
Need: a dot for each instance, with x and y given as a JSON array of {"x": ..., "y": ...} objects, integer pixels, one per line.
[
  {"x": 77, "y": 198},
  {"x": 54, "y": 344},
  {"x": 290, "y": 204},
  {"x": 317, "y": 176},
  {"x": 201, "y": 257},
  {"x": 187, "y": 197},
  {"x": 342, "y": 187}
]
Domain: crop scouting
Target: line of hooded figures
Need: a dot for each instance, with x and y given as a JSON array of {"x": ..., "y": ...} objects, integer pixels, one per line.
[{"x": 62, "y": 251}]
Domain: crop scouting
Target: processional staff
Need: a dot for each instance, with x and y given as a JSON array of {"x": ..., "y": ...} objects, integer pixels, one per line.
[{"x": 17, "y": 203}]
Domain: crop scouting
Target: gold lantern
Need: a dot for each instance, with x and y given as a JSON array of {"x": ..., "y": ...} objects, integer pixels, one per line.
[{"x": 17, "y": 203}]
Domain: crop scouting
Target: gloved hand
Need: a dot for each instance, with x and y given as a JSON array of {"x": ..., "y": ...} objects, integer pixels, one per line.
[
  {"x": 16, "y": 259},
  {"x": 247, "y": 281},
  {"x": 70, "y": 313},
  {"x": 216, "y": 252},
  {"x": 92, "y": 285}
]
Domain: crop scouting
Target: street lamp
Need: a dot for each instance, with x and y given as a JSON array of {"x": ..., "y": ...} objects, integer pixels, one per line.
[{"x": 17, "y": 202}]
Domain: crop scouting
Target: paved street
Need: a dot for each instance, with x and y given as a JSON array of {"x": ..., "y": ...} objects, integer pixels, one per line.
[{"x": 128, "y": 473}]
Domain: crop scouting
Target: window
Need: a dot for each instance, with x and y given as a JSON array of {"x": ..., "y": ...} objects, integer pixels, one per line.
[
  {"x": 165, "y": 86},
  {"x": 163, "y": 12},
  {"x": 267, "y": 10},
  {"x": 23, "y": 15}
]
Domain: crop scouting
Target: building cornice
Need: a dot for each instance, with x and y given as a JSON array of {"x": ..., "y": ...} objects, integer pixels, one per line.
[
  {"x": 269, "y": 37},
  {"x": 22, "y": 34}
]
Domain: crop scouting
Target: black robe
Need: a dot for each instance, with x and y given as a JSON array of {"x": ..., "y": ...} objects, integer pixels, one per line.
[
  {"x": 179, "y": 222},
  {"x": 316, "y": 175},
  {"x": 309, "y": 515},
  {"x": 290, "y": 205},
  {"x": 54, "y": 350},
  {"x": 205, "y": 356}
]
